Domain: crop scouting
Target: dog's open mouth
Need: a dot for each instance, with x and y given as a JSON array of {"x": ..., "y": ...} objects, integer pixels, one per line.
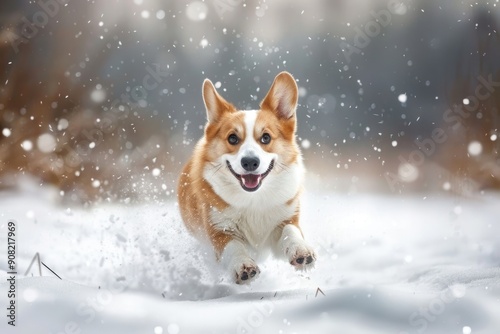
[{"x": 250, "y": 182}]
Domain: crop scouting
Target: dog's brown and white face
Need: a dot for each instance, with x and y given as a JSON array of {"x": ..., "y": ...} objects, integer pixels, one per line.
[{"x": 253, "y": 152}]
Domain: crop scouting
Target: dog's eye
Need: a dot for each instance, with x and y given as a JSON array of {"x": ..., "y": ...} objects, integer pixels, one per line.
[
  {"x": 265, "y": 139},
  {"x": 233, "y": 139}
]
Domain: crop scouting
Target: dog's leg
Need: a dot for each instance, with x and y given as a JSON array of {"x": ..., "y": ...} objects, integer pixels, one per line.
[
  {"x": 298, "y": 252},
  {"x": 233, "y": 255},
  {"x": 241, "y": 266}
]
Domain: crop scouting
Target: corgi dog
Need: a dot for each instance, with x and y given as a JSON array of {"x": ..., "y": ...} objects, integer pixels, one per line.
[{"x": 241, "y": 188}]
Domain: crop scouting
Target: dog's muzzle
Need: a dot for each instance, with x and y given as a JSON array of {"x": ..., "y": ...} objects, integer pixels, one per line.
[{"x": 250, "y": 182}]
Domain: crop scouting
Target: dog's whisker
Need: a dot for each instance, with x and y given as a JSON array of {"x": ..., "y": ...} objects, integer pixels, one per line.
[
  {"x": 215, "y": 167},
  {"x": 283, "y": 166},
  {"x": 218, "y": 169}
]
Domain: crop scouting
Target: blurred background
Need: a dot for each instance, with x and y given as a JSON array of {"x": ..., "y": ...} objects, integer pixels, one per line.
[{"x": 102, "y": 99}]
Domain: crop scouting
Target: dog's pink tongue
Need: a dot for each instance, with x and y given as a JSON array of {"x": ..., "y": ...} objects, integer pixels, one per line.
[{"x": 250, "y": 180}]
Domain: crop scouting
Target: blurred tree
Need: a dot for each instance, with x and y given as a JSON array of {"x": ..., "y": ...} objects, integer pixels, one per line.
[
  {"x": 59, "y": 119},
  {"x": 473, "y": 121}
]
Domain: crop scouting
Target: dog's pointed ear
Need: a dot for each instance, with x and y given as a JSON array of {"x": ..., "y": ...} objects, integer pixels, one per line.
[
  {"x": 215, "y": 104},
  {"x": 282, "y": 96}
]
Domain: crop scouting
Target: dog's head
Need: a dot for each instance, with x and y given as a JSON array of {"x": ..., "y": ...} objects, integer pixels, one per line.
[{"x": 249, "y": 148}]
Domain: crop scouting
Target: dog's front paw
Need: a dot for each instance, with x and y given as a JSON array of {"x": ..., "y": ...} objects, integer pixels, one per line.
[
  {"x": 302, "y": 257},
  {"x": 246, "y": 272}
]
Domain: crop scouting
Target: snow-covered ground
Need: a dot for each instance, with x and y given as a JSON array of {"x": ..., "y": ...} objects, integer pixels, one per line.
[{"x": 387, "y": 264}]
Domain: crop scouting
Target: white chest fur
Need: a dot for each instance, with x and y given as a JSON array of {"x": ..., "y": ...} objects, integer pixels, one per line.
[{"x": 252, "y": 225}]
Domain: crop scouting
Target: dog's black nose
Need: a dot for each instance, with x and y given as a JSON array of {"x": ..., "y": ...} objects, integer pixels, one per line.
[{"x": 250, "y": 163}]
